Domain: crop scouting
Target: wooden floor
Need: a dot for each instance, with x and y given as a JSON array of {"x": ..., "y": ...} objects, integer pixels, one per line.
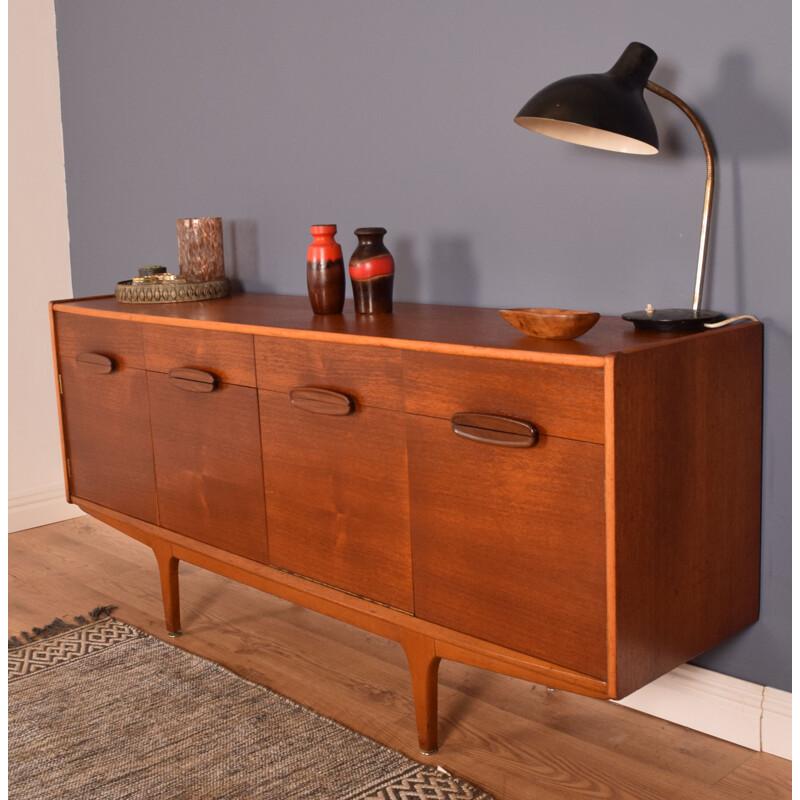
[{"x": 516, "y": 740}]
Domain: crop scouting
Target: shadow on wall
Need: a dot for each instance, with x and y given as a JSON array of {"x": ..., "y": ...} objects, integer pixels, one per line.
[
  {"x": 407, "y": 270},
  {"x": 744, "y": 126},
  {"x": 454, "y": 277},
  {"x": 451, "y": 270},
  {"x": 240, "y": 237},
  {"x": 742, "y": 122}
]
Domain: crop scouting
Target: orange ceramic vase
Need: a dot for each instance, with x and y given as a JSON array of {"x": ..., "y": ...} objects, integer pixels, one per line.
[{"x": 325, "y": 271}]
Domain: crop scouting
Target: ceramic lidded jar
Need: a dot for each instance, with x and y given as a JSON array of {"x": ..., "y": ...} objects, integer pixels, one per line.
[
  {"x": 325, "y": 271},
  {"x": 372, "y": 272}
]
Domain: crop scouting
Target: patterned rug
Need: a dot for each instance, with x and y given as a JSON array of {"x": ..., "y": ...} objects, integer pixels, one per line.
[{"x": 102, "y": 710}]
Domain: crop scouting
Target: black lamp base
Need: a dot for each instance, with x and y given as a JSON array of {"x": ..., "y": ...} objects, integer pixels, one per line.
[{"x": 669, "y": 320}]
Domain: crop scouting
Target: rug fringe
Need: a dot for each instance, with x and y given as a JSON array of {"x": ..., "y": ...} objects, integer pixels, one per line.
[{"x": 59, "y": 626}]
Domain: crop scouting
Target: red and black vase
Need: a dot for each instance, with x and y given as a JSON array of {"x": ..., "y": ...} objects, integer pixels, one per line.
[
  {"x": 325, "y": 271},
  {"x": 372, "y": 272}
]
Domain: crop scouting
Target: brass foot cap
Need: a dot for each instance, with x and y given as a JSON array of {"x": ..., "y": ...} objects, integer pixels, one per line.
[
  {"x": 174, "y": 634},
  {"x": 429, "y": 752}
]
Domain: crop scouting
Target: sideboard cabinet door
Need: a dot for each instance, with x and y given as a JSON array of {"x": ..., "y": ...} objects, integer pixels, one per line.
[
  {"x": 509, "y": 542},
  {"x": 335, "y": 465},
  {"x": 105, "y": 414},
  {"x": 206, "y": 438},
  {"x": 208, "y": 465},
  {"x": 337, "y": 497}
]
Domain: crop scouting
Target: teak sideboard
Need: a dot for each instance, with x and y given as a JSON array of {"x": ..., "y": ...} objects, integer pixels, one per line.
[{"x": 583, "y": 514}]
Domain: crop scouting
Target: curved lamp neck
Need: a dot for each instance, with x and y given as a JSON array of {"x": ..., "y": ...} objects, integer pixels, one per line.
[{"x": 708, "y": 148}]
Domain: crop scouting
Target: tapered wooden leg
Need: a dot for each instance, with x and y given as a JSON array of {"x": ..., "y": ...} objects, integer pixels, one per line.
[
  {"x": 424, "y": 663},
  {"x": 168, "y": 571}
]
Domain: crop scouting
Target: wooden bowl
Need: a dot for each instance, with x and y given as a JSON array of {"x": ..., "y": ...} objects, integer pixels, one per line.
[{"x": 550, "y": 323}]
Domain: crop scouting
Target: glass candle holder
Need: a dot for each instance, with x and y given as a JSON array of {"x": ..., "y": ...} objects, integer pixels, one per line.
[{"x": 200, "y": 252}]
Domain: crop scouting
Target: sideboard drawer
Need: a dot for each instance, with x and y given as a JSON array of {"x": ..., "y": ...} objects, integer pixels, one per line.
[
  {"x": 559, "y": 400},
  {"x": 228, "y": 356},
  {"x": 118, "y": 339},
  {"x": 372, "y": 376}
]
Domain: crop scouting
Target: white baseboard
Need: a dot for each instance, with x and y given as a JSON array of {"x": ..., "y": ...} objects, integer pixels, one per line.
[
  {"x": 776, "y": 724},
  {"x": 755, "y": 716},
  {"x": 39, "y": 507}
]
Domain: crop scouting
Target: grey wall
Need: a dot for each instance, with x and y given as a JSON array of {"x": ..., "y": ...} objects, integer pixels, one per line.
[{"x": 278, "y": 114}]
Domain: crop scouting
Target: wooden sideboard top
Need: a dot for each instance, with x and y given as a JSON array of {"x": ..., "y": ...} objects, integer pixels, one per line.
[{"x": 412, "y": 326}]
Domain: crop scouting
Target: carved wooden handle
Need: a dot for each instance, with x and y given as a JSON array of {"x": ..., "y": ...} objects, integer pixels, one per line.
[
  {"x": 491, "y": 429},
  {"x": 322, "y": 401},
  {"x": 95, "y": 362},
  {"x": 193, "y": 380}
]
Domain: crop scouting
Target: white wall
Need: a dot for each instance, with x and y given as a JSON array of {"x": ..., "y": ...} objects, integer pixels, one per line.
[{"x": 38, "y": 262}]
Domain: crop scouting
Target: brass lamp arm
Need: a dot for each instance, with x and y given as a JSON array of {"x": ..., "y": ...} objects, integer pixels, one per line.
[{"x": 705, "y": 138}]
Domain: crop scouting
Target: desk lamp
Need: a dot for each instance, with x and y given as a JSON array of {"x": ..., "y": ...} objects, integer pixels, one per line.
[{"x": 608, "y": 111}]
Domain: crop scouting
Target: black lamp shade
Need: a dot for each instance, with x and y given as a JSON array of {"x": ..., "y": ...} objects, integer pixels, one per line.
[{"x": 605, "y": 110}]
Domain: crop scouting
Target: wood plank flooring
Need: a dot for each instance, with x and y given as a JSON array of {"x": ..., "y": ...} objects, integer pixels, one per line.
[{"x": 517, "y": 740}]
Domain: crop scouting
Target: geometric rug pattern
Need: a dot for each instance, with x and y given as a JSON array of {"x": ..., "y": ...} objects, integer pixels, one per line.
[{"x": 107, "y": 712}]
